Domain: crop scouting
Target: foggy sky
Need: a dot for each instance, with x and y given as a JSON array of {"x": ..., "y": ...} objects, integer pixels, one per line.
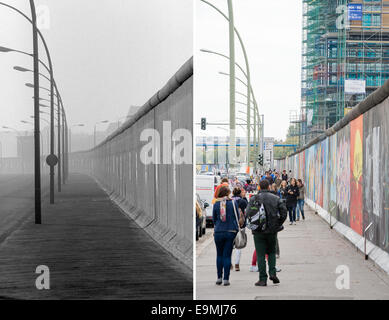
[
  {"x": 271, "y": 31},
  {"x": 107, "y": 56}
]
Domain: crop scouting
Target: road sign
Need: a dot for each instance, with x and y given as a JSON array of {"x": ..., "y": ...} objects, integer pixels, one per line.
[{"x": 52, "y": 160}]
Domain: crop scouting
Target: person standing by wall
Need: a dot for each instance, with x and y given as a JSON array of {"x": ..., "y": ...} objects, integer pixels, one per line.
[
  {"x": 292, "y": 192},
  {"x": 300, "y": 199}
]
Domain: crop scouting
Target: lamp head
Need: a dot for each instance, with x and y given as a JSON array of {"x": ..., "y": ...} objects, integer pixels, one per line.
[
  {"x": 4, "y": 49},
  {"x": 21, "y": 69}
]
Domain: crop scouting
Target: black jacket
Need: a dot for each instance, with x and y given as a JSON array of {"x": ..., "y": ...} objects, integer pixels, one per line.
[
  {"x": 275, "y": 210},
  {"x": 291, "y": 199}
]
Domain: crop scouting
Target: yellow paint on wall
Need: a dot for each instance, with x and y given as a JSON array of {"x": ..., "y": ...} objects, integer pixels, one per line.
[{"x": 358, "y": 157}]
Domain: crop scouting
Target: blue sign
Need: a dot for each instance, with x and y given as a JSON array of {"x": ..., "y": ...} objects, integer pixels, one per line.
[{"x": 354, "y": 12}]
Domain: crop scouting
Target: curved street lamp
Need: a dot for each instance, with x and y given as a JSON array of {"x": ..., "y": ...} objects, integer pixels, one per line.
[
  {"x": 243, "y": 50},
  {"x": 36, "y": 33},
  {"x": 256, "y": 110},
  {"x": 40, "y": 134},
  {"x": 250, "y": 90}
]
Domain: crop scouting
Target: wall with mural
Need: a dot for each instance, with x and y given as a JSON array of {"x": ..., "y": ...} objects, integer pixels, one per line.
[{"x": 347, "y": 173}]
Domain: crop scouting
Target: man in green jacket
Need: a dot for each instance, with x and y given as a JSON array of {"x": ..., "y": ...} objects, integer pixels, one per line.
[{"x": 266, "y": 204}]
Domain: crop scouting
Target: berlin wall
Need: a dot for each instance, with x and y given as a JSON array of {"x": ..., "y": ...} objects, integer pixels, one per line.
[
  {"x": 346, "y": 172},
  {"x": 156, "y": 193}
]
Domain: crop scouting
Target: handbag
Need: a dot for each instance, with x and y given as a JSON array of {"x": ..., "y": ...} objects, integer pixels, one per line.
[{"x": 241, "y": 238}]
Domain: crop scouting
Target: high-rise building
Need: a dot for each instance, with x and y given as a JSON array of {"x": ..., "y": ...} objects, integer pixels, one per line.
[{"x": 345, "y": 58}]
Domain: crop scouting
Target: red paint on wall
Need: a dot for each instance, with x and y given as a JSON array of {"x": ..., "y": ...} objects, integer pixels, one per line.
[{"x": 356, "y": 175}]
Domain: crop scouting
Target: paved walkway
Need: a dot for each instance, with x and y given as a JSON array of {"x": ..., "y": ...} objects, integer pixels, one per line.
[
  {"x": 16, "y": 197},
  {"x": 93, "y": 251},
  {"x": 310, "y": 254}
]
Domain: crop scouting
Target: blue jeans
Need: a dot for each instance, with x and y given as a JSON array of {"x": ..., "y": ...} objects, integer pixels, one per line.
[
  {"x": 300, "y": 208},
  {"x": 292, "y": 213},
  {"x": 224, "y": 244}
]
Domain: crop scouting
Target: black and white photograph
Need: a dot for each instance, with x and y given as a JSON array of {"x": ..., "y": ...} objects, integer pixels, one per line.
[{"x": 96, "y": 192}]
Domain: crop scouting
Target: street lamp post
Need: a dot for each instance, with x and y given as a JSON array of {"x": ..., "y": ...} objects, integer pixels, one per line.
[
  {"x": 247, "y": 75},
  {"x": 246, "y": 60},
  {"x": 255, "y": 112},
  {"x": 52, "y": 159},
  {"x": 48, "y": 133},
  {"x": 38, "y": 200},
  {"x": 40, "y": 136},
  {"x": 250, "y": 89},
  {"x": 232, "y": 80}
]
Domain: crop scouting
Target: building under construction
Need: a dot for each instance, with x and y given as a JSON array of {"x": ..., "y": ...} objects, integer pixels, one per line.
[{"x": 345, "y": 58}]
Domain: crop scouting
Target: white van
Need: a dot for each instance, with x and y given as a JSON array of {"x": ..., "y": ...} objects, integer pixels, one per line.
[{"x": 205, "y": 188}]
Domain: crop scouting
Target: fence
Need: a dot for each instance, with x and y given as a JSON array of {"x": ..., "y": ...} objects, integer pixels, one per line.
[
  {"x": 346, "y": 170},
  {"x": 159, "y": 195}
]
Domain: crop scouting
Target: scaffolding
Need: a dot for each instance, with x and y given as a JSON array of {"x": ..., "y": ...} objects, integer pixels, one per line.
[{"x": 335, "y": 50}]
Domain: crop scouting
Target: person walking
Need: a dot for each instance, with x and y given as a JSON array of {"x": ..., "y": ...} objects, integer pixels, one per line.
[
  {"x": 278, "y": 180},
  {"x": 292, "y": 192},
  {"x": 300, "y": 199},
  {"x": 225, "y": 231},
  {"x": 269, "y": 178},
  {"x": 239, "y": 195},
  {"x": 223, "y": 182},
  {"x": 284, "y": 176},
  {"x": 265, "y": 234},
  {"x": 273, "y": 189},
  {"x": 282, "y": 191}
]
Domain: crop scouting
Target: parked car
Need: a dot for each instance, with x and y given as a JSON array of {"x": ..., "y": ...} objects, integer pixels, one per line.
[
  {"x": 205, "y": 188},
  {"x": 201, "y": 217}
]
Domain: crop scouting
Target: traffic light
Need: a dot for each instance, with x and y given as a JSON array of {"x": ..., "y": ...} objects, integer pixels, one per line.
[
  {"x": 260, "y": 159},
  {"x": 203, "y": 123}
]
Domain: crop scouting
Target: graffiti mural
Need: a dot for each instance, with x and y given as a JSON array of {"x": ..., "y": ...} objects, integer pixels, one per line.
[
  {"x": 325, "y": 175},
  {"x": 343, "y": 175},
  {"x": 347, "y": 174},
  {"x": 356, "y": 175},
  {"x": 332, "y": 158},
  {"x": 376, "y": 175}
]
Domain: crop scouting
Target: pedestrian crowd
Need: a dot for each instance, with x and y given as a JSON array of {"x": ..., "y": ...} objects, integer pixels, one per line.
[{"x": 260, "y": 204}]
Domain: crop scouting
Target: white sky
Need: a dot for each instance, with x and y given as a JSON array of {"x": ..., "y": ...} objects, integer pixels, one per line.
[
  {"x": 107, "y": 55},
  {"x": 271, "y": 31}
]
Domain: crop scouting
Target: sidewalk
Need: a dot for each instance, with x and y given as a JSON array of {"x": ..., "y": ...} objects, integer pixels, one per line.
[
  {"x": 310, "y": 254},
  {"x": 93, "y": 251}
]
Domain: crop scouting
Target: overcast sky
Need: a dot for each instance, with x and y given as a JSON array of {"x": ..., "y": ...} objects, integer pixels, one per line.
[
  {"x": 271, "y": 31},
  {"x": 107, "y": 55}
]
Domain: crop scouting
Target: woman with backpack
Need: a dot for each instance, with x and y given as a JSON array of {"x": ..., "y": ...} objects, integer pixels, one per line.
[
  {"x": 225, "y": 230},
  {"x": 292, "y": 192}
]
